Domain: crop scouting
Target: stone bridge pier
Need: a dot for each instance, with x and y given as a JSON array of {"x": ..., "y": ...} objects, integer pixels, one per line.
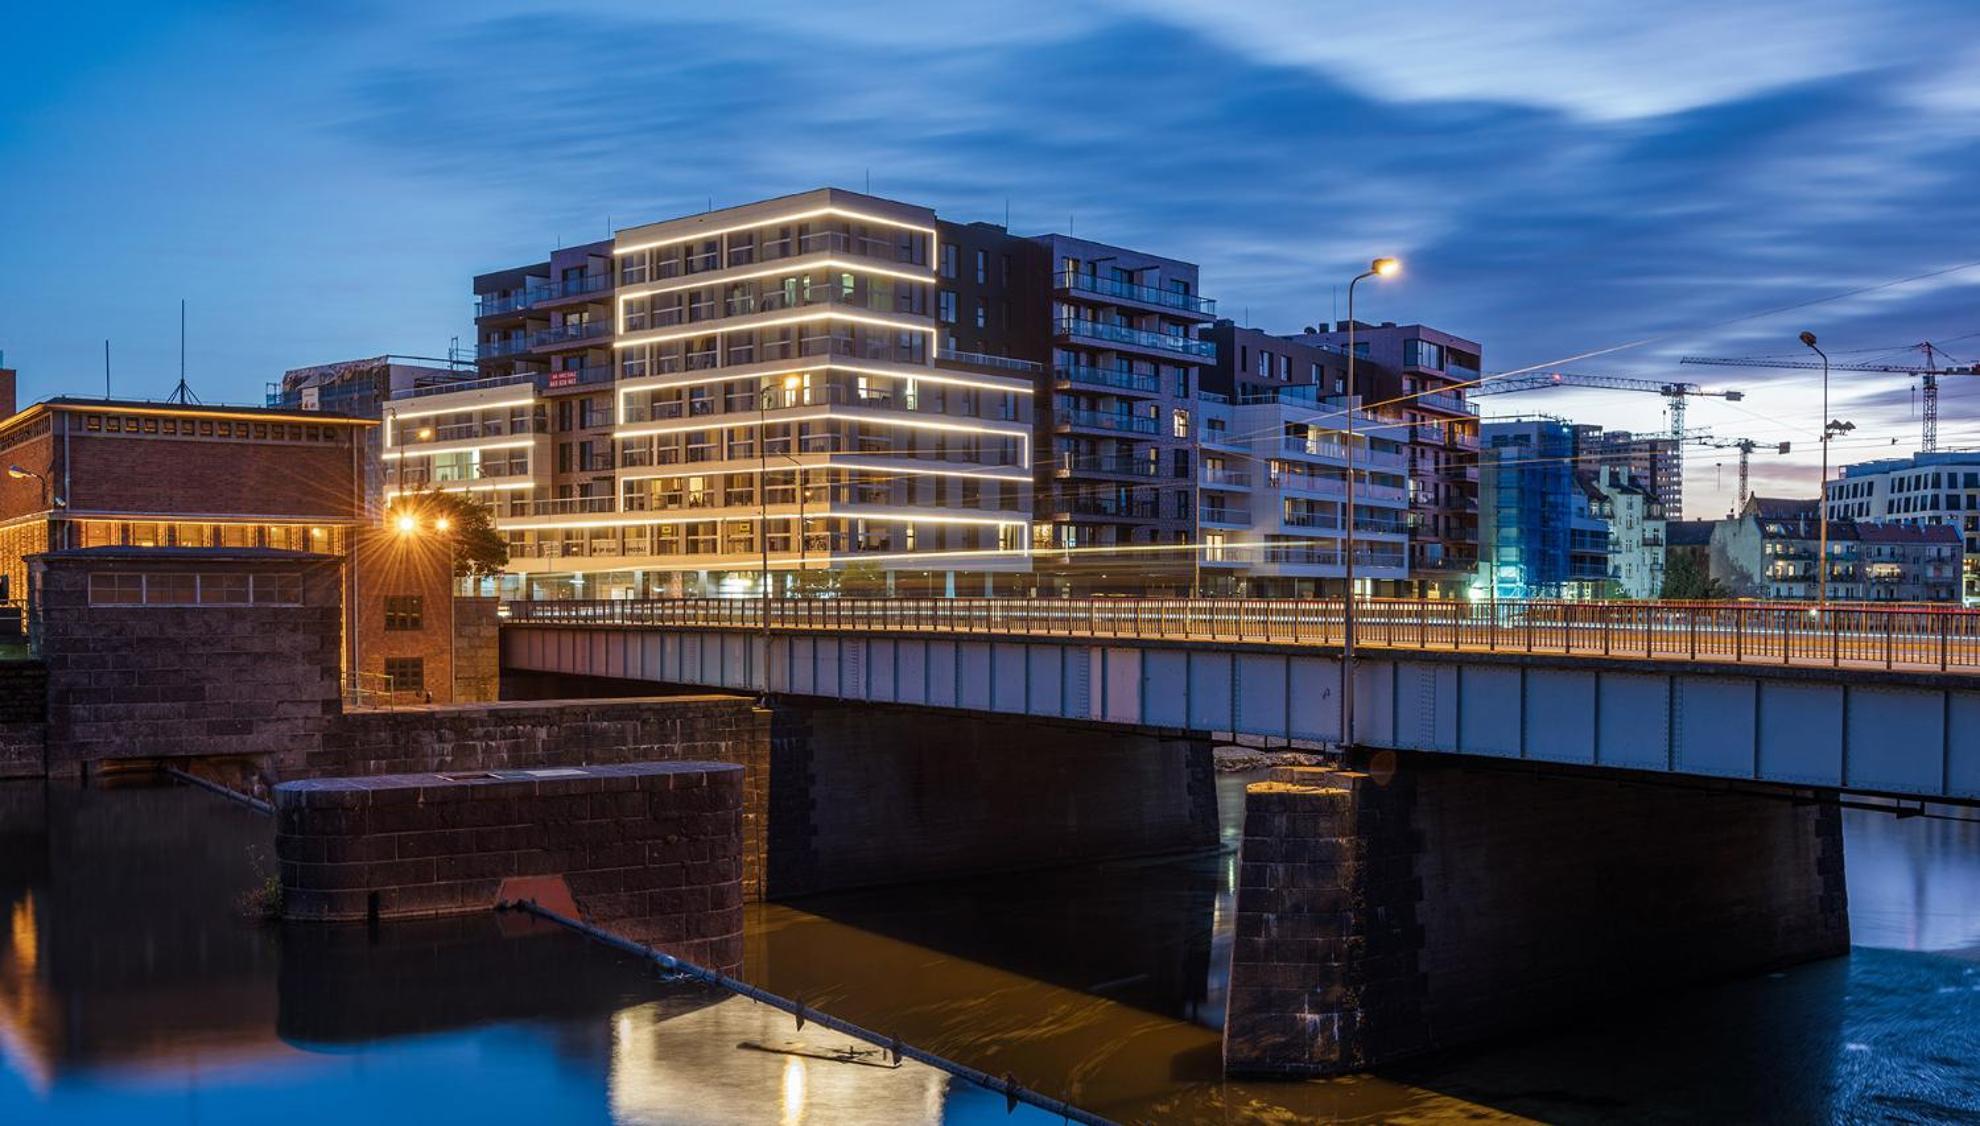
[{"x": 1415, "y": 903}]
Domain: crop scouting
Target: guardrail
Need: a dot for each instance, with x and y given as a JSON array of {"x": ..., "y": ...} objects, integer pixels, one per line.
[{"x": 1914, "y": 638}]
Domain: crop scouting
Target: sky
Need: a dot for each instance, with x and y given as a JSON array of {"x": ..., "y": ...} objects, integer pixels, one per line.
[{"x": 321, "y": 180}]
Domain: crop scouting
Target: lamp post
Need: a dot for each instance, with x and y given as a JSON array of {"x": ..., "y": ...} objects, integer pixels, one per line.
[
  {"x": 1822, "y": 494},
  {"x": 1379, "y": 268},
  {"x": 20, "y": 473}
]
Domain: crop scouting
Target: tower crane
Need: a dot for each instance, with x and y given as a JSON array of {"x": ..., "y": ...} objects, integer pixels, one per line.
[
  {"x": 1675, "y": 392},
  {"x": 1745, "y": 446},
  {"x": 1928, "y": 376}
]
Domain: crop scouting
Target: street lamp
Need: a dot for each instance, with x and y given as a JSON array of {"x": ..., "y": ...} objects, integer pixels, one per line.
[
  {"x": 1379, "y": 268},
  {"x": 1822, "y": 494},
  {"x": 20, "y": 473}
]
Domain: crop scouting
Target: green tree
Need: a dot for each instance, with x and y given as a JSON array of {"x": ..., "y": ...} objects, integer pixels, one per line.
[
  {"x": 1685, "y": 580},
  {"x": 479, "y": 550}
]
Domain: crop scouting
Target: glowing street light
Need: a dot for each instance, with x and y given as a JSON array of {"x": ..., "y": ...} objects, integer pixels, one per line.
[
  {"x": 1379, "y": 268},
  {"x": 408, "y": 525}
]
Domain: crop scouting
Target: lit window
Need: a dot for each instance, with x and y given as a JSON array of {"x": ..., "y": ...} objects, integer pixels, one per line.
[{"x": 404, "y": 612}]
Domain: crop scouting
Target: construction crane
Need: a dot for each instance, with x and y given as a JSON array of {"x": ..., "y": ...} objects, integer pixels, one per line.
[
  {"x": 1928, "y": 375},
  {"x": 1676, "y": 393},
  {"x": 1745, "y": 446}
]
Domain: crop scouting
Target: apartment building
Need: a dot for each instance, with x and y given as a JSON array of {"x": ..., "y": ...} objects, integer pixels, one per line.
[
  {"x": 1636, "y": 531},
  {"x": 360, "y": 389},
  {"x": 1423, "y": 376},
  {"x": 1542, "y": 533},
  {"x": 759, "y": 388},
  {"x": 1770, "y": 550},
  {"x": 1921, "y": 490},
  {"x": 1653, "y": 461},
  {"x": 1272, "y": 476}
]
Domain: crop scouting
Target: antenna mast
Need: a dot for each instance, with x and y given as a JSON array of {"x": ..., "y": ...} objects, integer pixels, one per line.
[{"x": 182, "y": 394}]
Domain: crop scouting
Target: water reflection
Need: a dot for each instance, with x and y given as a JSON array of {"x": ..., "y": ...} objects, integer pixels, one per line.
[
  {"x": 131, "y": 989},
  {"x": 1104, "y": 984}
]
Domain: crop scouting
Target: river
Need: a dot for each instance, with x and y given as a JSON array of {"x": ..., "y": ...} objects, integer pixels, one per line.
[{"x": 132, "y": 987}]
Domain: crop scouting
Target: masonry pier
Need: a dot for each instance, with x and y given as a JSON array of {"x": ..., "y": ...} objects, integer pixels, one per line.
[{"x": 1418, "y": 904}]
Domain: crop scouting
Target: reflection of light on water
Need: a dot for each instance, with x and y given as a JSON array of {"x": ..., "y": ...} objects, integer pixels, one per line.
[
  {"x": 1914, "y": 884},
  {"x": 691, "y": 1068},
  {"x": 24, "y": 944},
  {"x": 793, "y": 1091}
]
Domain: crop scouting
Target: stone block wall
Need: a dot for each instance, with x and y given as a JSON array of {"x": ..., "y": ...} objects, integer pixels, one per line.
[
  {"x": 23, "y": 719},
  {"x": 156, "y": 681},
  {"x": 1419, "y": 905},
  {"x": 477, "y": 650},
  {"x": 651, "y": 851},
  {"x": 534, "y": 735}
]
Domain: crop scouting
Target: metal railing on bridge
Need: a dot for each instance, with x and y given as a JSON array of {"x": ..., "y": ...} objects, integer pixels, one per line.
[{"x": 1918, "y": 639}]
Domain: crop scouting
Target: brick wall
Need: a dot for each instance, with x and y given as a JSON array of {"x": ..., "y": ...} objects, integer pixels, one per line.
[
  {"x": 157, "y": 681},
  {"x": 651, "y": 851},
  {"x": 529, "y": 735},
  {"x": 130, "y": 473},
  {"x": 1421, "y": 907}
]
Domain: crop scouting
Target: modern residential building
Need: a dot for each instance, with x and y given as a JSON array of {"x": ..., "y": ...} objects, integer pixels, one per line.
[
  {"x": 1652, "y": 460},
  {"x": 778, "y": 399},
  {"x": 1273, "y": 473},
  {"x": 1424, "y": 374},
  {"x": 1636, "y": 531},
  {"x": 1770, "y": 550},
  {"x": 1540, "y": 535},
  {"x": 1923, "y": 489},
  {"x": 360, "y": 389}
]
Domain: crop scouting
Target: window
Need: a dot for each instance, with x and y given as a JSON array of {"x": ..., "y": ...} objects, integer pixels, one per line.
[
  {"x": 278, "y": 590},
  {"x": 403, "y": 611},
  {"x": 1179, "y": 423},
  {"x": 115, "y": 590},
  {"x": 949, "y": 260},
  {"x": 945, "y": 304},
  {"x": 405, "y": 674},
  {"x": 982, "y": 312},
  {"x": 982, "y": 267}
]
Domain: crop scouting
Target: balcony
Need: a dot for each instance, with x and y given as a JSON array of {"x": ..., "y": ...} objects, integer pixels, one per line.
[
  {"x": 567, "y": 334},
  {"x": 1224, "y": 517},
  {"x": 1226, "y": 479},
  {"x": 568, "y": 288},
  {"x": 1070, "y": 466},
  {"x": 1137, "y": 509},
  {"x": 1103, "y": 420},
  {"x": 501, "y": 346},
  {"x": 985, "y": 360},
  {"x": 1146, "y": 295},
  {"x": 449, "y": 388},
  {"x": 575, "y": 377},
  {"x": 1445, "y": 402},
  {"x": 1312, "y": 448},
  {"x": 1313, "y": 486},
  {"x": 495, "y": 304},
  {"x": 1090, "y": 376},
  {"x": 1080, "y": 328}
]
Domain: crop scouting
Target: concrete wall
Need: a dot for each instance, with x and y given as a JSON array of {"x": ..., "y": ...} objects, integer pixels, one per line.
[
  {"x": 869, "y": 795},
  {"x": 651, "y": 851},
  {"x": 1419, "y": 906}
]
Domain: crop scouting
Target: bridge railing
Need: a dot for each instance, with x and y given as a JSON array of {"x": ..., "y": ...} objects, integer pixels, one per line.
[{"x": 1853, "y": 635}]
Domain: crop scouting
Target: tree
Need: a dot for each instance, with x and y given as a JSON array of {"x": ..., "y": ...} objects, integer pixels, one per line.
[
  {"x": 479, "y": 550},
  {"x": 1686, "y": 581}
]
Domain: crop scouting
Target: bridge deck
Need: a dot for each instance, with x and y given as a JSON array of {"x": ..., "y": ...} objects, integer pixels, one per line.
[{"x": 1853, "y": 637}]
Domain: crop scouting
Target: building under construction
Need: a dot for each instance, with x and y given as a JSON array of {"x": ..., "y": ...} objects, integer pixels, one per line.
[{"x": 1653, "y": 461}]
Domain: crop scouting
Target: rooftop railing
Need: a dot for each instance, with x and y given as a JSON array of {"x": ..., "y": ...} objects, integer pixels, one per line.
[{"x": 1915, "y": 638}]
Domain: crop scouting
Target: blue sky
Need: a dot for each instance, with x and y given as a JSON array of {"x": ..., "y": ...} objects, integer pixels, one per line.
[{"x": 320, "y": 180}]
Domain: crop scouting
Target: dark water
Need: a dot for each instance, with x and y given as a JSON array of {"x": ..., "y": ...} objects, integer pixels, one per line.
[
  {"x": 1105, "y": 984},
  {"x": 132, "y": 989}
]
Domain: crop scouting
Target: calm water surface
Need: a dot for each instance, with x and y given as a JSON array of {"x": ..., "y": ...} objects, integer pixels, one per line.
[{"x": 131, "y": 989}]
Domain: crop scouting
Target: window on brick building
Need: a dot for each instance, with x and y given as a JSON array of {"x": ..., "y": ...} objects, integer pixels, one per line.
[
  {"x": 405, "y": 674},
  {"x": 404, "y": 611}
]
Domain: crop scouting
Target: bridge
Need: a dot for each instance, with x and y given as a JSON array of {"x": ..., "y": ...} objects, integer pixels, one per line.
[{"x": 1876, "y": 700}]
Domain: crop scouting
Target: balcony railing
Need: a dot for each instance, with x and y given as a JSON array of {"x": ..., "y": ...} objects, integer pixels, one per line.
[
  {"x": 1229, "y": 517},
  {"x": 489, "y": 304},
  {"x": 1070, "y": 466},
  {"x": 1105, "y": 420},
  {"x": 1121, "y": 334},
  {"x": 569, "y": 287},
  {"x": 1226, "y": 478},
  {"x": 985, "y": 360},
  {"x": 568, "y": 333},
  {"x": 501, "y": 346},
  {"x": 1138, "y": 509},
  {"x": 1446, "y": 402},
  {"x": 1108, "y": 377},
  {"x": 424, "y": 390},
  {"x": 1128, "y": 291}
]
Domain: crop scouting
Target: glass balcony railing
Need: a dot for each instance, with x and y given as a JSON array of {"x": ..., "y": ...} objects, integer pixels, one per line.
[
  {"x": 489, "y": 304},
  {"x": 1105, "y": 506},
  {"x": 985, "y": 360},
  {"x": 502, "y": 346},
  {"x": 1146, "y": 295},
  {"x": 569, "y": 287},
  {"x": 1227, "y": 478},
  {"x": 569, "y": 333},
  {"x": 1139, "y": 338},
  {"x": 1108, "y": 377},
  {"x": 1105, "y": 420},
  {"x": 1229, "y": 517}
]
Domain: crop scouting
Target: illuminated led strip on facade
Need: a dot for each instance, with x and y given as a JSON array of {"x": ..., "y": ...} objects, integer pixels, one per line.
[
  {"x": 750, "y": 515},
  {"x": 742, "y": 469},
  {"x": 846, "y": 414},
  {"x": 439, "y": 448},
  {"x": 393, "y": 414},
  {"x": 741, "y": 324},
  {"x": 921, "y": 375},
  {"x": 797, "y": 265},
  {"x": 770, "y": 221}
]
